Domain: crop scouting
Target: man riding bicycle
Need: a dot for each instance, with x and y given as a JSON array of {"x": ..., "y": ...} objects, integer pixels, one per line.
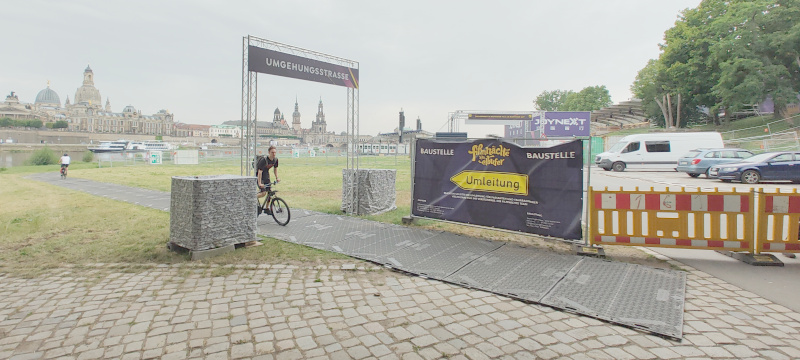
[
  {"x": 262, "y": 171},
  {"x": 65, "y": 163}
]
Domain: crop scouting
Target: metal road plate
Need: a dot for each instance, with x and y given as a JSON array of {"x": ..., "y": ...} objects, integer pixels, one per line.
[
  {"x": 322, "y": 232},
  {"x": 449, "y": 261},
  {"x": 516, "y": 271},
  {"x": 590, "y": 287},
  {"x": 652, "y": 300},
  {"x": 377, "y": 250},
  {"x": 628, "y": 294},
  {"x": 371, "y": 243},
  {"x": 439, "y": 256},
  {"x": 298, "y": 213},
  {"x": 295, "y": 231}
]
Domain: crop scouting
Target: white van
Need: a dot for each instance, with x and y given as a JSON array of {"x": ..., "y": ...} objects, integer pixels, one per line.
[{"x": 654, "y": 150}]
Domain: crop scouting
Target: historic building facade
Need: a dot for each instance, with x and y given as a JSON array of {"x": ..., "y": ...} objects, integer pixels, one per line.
[
  {"x": 86, "y": 113},
  {"x": 316, "y": 135}
]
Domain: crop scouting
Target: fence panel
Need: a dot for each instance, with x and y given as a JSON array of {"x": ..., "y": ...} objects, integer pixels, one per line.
[
  {"x": 778, "y": 222},
  {"x": 694, "y": 220}
]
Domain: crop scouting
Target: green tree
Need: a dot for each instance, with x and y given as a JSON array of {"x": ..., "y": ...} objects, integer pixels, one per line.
[
  {"x": 754, "y": 61},
  {"x": 588, "y": 99},
  {"x": 552, "y": 100},
  {"x": 60, "y": 124},
  {"x": 646, "y": 87},
  {"x": 34, "y": 124},
  {"x": 722, "y": 56}
]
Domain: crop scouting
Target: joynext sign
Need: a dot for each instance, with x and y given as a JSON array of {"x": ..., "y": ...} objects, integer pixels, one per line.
[{"x": 562, "y": 123}]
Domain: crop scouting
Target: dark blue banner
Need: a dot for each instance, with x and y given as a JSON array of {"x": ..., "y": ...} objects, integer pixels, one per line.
[{"x": 497, "y": 184}]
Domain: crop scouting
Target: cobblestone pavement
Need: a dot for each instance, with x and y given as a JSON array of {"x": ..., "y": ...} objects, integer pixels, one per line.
[{"x": 284, "y": 312}]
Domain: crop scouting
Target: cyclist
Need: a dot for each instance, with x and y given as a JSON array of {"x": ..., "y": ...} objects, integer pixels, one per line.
[
  {"x": 65, "y": 163},
  {"x": 262, "y": 171}
]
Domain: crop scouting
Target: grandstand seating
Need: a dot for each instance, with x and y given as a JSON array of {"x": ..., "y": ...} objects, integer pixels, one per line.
[{"x": 625, "y": 114}]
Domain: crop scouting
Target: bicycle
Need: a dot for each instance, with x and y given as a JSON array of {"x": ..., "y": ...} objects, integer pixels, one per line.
[
  {"x": 63, "y": 172},
  {"x": 275, "y": 206}
]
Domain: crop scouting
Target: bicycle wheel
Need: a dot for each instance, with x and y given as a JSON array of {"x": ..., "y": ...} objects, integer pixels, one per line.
[{"x": 280, "y": 211}]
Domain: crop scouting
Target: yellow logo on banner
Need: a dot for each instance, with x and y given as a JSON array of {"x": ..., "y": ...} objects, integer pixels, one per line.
[
  {"x": 490, "y": 155},
  {"x": 490, "y": 181}
]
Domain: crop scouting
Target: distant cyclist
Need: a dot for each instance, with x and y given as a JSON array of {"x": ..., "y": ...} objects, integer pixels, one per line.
[
  {"x": 262, "y": 170},
  {"x": 65, "y": 163}
]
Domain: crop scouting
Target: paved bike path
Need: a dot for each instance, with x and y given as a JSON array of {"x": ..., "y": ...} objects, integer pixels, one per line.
[{"x": 651, "y": 300}]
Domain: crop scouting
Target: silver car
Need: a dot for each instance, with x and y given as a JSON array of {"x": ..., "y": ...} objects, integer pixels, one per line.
[{"x": 698, "y": 161}]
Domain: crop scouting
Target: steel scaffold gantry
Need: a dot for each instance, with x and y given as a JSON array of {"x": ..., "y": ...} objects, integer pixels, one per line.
[{"x": 249, "y": 113}]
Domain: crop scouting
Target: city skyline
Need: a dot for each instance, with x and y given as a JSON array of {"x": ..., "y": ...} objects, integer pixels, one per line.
[{"x": 426, "y": 58}]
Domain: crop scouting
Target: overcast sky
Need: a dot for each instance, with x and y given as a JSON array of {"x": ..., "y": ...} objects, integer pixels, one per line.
[{"x": 426, "y": 57}]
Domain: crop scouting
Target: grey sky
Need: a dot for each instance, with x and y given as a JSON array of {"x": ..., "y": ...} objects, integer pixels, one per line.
[{"x": 427, "y": 57}]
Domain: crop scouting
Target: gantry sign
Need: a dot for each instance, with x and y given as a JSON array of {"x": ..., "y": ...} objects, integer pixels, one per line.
[{"x": 273, "y": 58}]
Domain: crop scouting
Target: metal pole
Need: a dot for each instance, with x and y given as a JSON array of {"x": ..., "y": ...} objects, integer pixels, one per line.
[
  {"x": 245, "y": 97},
  {"x": 588, "y": 184},
  {"x": 413, "y": 146}
]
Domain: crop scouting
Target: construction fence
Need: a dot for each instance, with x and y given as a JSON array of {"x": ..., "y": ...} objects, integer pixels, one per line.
[{"x": 753, "y": 221}]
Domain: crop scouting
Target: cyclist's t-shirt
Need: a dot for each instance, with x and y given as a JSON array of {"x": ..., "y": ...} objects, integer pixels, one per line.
[
  {"x": 65, "y": 160},
  {"x": 264, "y": 164}
]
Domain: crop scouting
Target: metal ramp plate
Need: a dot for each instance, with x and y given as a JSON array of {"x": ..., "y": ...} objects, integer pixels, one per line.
[
  {"x": 651, "y": 300},
  {"x": 296, "y": 231},
  {"x": 298, "y": 213},
  {"x": 516, "y": 271},
  {"x": 374, "y": 244},
  {"x": 439, "y": 256},
  {"x": 329, "y": 231},
  {"x": 612, "y": 291}
]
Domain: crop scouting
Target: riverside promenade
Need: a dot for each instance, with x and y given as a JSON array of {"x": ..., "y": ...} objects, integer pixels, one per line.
[{"x": 338, "y": 311}]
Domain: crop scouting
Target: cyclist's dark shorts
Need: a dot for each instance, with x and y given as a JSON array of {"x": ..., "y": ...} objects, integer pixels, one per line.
[{"x": 64, "y": 165}]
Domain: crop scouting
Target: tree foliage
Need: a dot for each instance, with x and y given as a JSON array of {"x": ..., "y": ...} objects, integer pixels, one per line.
[
  {"x": 7, "y": 122},
  {"x": 552, "y": 100},
  {"x": 724, "y": 56},
  {"x": 588, "y": 99}
]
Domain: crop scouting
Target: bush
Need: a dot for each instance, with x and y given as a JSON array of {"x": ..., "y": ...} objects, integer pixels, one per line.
[
  {"x": 88, "y": 156},
  {"x": 44, "y": 156}
]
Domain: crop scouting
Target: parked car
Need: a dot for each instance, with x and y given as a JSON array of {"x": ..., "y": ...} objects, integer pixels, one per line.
[
  {"x": 782, "y": 165},
  {"x": 699, "y": 161}
]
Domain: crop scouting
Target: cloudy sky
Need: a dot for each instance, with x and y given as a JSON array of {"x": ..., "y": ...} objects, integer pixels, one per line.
[{"x": 426, "y": 57}]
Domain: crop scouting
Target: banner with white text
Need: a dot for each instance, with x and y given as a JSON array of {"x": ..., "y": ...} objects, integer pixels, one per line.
[
  {"x": 498, "y": 184},
  {"x": 277, "y": 63}
]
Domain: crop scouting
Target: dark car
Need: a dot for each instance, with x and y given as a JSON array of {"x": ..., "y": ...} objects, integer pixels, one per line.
[
  {"x": 699, "y": 161},
  {"x": 783, "y": 165}
]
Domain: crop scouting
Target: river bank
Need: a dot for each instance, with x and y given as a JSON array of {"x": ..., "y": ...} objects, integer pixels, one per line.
[{"x": 53, "y": 137}]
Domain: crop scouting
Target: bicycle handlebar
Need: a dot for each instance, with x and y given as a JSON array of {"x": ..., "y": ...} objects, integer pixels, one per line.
[{"x": 270, "y": 184}]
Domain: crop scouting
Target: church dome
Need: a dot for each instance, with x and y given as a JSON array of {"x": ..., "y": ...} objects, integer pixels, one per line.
[
  {"x": 129, "y": 109},
  {"x": 277, "y": 111},
  {"x": 87, "y": 92},
  {"x": 47, "y": 97}
]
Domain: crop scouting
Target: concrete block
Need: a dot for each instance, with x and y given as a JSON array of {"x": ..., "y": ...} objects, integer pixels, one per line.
[{"x": 211, "y": 212}]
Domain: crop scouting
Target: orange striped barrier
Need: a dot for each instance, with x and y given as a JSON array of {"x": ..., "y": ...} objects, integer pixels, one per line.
[
  {"x": 778, "y": 222},
  {"x": 695, "y": 220}
]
